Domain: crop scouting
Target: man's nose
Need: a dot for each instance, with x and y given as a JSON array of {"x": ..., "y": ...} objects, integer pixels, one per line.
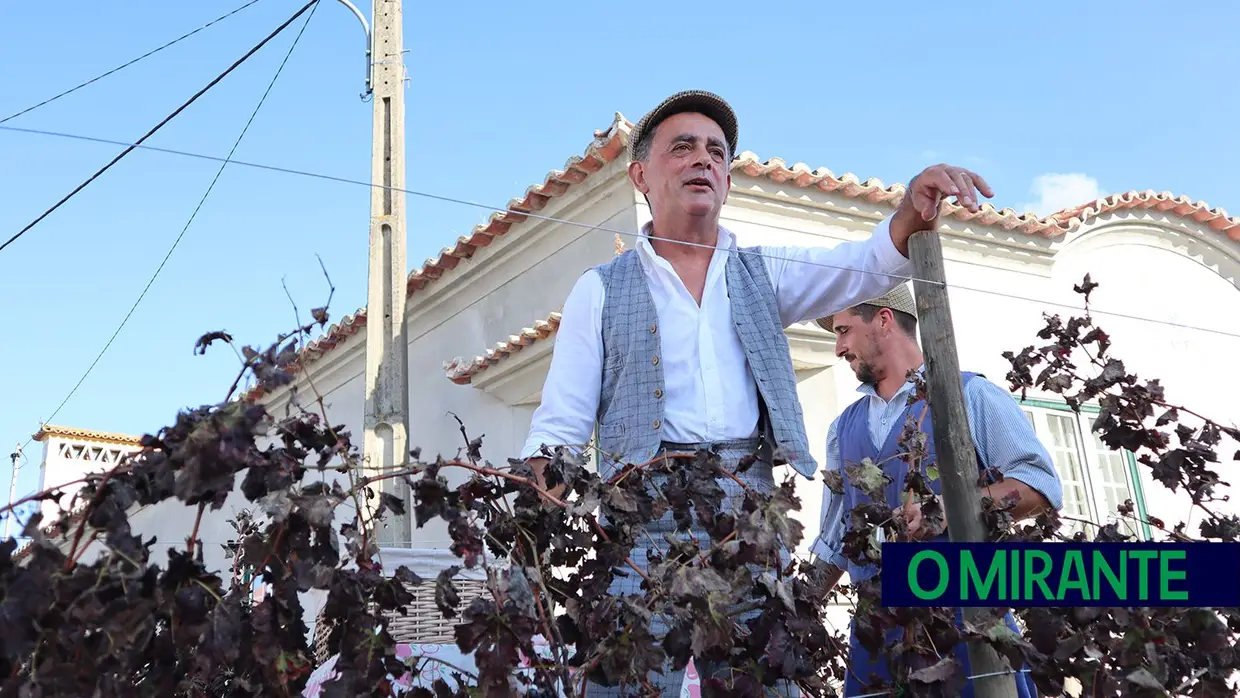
[{"x": 701, "y": 158}]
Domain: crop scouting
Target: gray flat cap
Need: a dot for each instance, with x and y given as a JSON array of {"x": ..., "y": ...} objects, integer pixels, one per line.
[{"x": 700, "y": 101}]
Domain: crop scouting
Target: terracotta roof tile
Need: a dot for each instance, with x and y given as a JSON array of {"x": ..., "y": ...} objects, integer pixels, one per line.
[
  {"x": 348, "y": 326},
  {"x": 874, "y": 191},
  {"x": 49, "y": 430},
  {"x": 1214, "y": 218},
  {"x": 461, "y": 372}
]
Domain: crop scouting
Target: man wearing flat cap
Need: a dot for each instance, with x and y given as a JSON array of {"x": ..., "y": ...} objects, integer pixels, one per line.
[
  {"x": 678, "y": 343},
  {"x": 878, "y": 339}
]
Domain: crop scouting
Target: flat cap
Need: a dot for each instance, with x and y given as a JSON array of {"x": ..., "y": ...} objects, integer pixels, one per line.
[
  {"x": 899, "y": 299},
  {"x": 707, "y": 103}
]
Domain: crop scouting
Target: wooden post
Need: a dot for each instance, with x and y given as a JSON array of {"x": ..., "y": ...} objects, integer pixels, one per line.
[{"x": 957, "y": 459}]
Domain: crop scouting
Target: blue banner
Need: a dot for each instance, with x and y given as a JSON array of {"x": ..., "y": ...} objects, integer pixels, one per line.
[{"x": 940, "y": 573}]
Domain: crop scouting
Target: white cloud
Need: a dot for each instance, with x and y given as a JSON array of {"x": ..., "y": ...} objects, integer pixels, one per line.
[{"x": 1056, "y": 192}]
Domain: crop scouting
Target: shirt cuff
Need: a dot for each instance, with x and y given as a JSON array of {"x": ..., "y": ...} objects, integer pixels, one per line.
[
  {"x": 531, "y": 448},
  {"x": 1038, "y": 479},
  {"x": 822, "y": 551},
  {"x": 535, "y": 443},
  {"x": 888, "y": 256}
]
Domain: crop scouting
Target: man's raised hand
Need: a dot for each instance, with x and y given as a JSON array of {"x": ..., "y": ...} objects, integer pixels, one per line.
[
  {"x": 919, "y": 209},
  {"x": 935, "y": 183}
]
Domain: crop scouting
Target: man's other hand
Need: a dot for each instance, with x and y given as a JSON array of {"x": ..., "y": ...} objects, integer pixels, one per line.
[
  {"x": 539, "y": 467},
  {"x": 918, "y": 527}
]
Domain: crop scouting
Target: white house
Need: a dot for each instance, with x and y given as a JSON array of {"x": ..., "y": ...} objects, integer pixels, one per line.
[
  {"x": 482, "y": 316},
  {"x": 71, "y": 453}
]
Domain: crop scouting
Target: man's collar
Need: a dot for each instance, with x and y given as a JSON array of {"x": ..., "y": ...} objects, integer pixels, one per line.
[
  {"x": 725, "y": 241},
  {"x": 868, "y": 389}
]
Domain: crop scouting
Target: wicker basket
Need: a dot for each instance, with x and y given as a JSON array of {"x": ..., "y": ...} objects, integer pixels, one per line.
[{"x": 422, "y": 624}]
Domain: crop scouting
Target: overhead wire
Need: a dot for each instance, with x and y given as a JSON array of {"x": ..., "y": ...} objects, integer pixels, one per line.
[
  {"x": 131, "y": 147},
  {"x": 122, "y": 66},
  {"x": 192, "y": 216},
  {"x": 623, "y": 233}
]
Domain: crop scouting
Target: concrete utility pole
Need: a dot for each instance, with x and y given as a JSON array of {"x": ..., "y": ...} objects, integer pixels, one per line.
[
  {"x": 387, "y": 351},
  {"x": 957, "y": 461},
  {"x": 385, "y": 442}
]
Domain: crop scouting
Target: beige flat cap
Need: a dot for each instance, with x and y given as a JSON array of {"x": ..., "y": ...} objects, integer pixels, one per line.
[{"x": 899, "y": 298}]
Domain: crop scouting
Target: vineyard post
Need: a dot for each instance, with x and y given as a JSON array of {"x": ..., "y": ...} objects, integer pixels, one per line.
[{"x": 957, "y": 460}]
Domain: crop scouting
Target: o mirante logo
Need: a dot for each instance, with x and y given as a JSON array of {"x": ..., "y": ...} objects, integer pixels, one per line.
[{"x": 1189, "y": 575}]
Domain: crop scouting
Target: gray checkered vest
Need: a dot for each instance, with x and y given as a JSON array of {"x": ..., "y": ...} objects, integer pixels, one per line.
[{"x": 630, "y": 414}]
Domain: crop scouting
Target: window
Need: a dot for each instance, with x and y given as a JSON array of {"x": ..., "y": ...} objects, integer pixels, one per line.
[{"x": 1096, "y": 480}]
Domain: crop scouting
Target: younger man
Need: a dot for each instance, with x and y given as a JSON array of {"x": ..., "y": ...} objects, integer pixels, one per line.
[{"x": 879, "y": 340}]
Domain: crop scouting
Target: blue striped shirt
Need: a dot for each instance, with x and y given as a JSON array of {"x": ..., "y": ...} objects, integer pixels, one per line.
[{"x": 1003, "y": 435}]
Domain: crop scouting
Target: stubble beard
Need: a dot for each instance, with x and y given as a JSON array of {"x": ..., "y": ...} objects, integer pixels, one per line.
[{"x": 865, "y": 373}]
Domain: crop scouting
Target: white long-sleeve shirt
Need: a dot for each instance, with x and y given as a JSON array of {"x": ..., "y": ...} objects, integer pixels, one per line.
[{"x": 709, "y": 392}]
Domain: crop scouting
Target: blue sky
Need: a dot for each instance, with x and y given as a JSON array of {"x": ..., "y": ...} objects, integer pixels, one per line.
[{"x": 1111, "y": 96}]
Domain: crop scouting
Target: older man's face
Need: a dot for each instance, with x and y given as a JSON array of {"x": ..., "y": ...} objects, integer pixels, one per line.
[{"x": 687, "y": 170}]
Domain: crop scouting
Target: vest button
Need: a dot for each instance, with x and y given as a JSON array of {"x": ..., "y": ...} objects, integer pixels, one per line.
[
  {"x": 658, "y": 392},
  {"x": 654, "y": 328},
  {"x": 655, "y": 361},
  {"x": 658, "y": 423}
]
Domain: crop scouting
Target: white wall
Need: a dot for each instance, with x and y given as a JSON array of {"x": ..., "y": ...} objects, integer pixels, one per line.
[
  {"x": 170, "y": 523},
  {"x": 68, "y": 459},
  {"x": 1147, "y": 272}
]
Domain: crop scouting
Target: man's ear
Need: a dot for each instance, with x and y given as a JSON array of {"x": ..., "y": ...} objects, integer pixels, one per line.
[
  {"x": 888, "y": 316},
  {"x": 637, "y": 175}
]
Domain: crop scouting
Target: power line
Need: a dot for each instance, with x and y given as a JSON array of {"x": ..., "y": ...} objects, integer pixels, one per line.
[
  {"x": 158, "y": 126},
  {"x": 126, "y": 65},
  {"x": 599, "y": 228},
  {"x": 192, "y": 216}
]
